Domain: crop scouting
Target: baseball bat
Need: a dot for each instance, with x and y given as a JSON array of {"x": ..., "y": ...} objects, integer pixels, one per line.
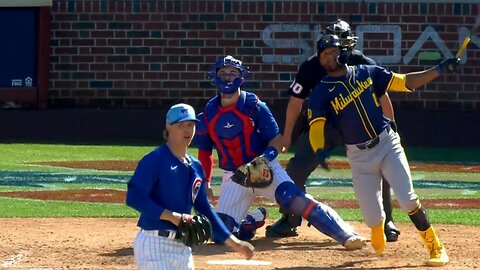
[
  {"x": 463, "y": 47},
  {"x": 467, "y": 39}
]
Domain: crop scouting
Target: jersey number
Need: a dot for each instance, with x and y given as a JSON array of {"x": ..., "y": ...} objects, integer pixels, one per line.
[{"x": 296, "y": 88}]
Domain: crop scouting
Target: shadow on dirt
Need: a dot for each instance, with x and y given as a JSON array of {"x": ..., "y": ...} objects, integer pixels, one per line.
[
  {"x": 123, "y": 252},
  {"x": 348, "y": 265}
]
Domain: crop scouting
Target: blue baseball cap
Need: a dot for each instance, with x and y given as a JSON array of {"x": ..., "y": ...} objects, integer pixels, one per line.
[{"x": 179, "y": 113}]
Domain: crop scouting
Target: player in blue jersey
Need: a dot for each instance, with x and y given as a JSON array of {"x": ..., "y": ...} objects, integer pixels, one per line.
[
  {"x": 303, "y": 163},
  {"x": 167, "y": 183},
  {"x": 241, "y": 128},
  {"x": 348, "y": 96}
]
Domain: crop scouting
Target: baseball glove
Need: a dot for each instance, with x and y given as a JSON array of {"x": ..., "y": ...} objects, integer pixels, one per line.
[
  {"x": 196, "y": 233},
  {"x": 256, "y": 174}
]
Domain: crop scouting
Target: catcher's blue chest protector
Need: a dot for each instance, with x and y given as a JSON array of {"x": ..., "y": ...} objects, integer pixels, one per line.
[{"x": 233, "y": 130}]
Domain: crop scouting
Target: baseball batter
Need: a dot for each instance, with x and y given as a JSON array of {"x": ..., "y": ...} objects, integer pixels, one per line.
[
  {"x": 241, "y": 128},
  {"x": 348, "y": 97},
  {"x": 303, "y": 163},
  {"x": 167, "y": 183}
]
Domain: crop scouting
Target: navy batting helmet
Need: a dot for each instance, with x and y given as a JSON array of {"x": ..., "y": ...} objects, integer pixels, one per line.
[
  {"x": 224, "y": 86},
  {"x": 342, "y": 29},
  {"x": 330, "y": 40}
]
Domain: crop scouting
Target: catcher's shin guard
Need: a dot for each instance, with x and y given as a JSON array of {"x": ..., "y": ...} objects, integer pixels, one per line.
[
  {"x": 230, "y": 223},
  {"x": 438, "y": 254},
  {"x": 254, "y": 220},
  {"x": 321, "y": 216},
  {"x": 247, "y": 229}
]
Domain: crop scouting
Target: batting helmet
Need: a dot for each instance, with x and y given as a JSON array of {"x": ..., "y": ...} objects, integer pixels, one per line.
[
  {"x": 224, "y": 86},
  {"x": 342, "y": 29},
  {"x": 330, "y": 40}
]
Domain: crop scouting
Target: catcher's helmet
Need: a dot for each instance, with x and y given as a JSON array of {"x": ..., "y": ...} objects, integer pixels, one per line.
[
  {"x": 342, "y": 29},
  {"x": 225, "y": 86}
]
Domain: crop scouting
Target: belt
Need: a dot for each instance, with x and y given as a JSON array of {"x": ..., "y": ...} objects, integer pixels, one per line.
[
  {"x": 369, "y": 144},
  {"x": 168, "y": 234},
  {"x": 373, "y": 142}
]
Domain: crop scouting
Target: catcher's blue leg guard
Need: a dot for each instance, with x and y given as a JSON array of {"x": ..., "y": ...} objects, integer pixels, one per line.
[
  {"x": 250, "y": 224},
  {"x": 244, "y": 231},
  {"x": 229, "y": 222},
  {"x": 321, "y": 216}
]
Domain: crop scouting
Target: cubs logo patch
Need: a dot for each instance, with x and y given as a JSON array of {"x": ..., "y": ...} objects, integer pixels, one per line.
[{"x": 196, "y": 188}]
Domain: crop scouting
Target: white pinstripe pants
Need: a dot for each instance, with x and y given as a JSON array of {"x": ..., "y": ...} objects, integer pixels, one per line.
[
  {"x": 153, "y": 252},
  {"x": 235, "y": 199}
]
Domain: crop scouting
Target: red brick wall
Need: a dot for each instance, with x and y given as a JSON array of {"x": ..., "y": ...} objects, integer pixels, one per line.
[{"x": 148, "y": 53}]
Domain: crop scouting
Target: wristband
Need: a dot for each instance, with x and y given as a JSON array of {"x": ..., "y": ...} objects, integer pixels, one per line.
[
  {"x": 270, "y": 153},
  {"x": 438, "y": 69}
]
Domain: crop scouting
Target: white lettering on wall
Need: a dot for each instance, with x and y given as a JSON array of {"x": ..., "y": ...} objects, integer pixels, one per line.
[
  {"x": 303, "y": 45},
  {"x": 429, "y": 33},
  {"x": 397, "y": 41}
]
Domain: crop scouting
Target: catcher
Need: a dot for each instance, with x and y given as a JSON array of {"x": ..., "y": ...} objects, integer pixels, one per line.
[
  {"x": 247, "y": 139},
  {"x": 166, "y": 184}
]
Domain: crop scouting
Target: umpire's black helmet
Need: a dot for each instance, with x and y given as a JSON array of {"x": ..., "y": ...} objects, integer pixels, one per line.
[{"x": 342, "y": 29}]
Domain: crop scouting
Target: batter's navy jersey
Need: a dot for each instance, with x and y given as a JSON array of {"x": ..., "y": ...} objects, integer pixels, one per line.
[
  {"x": 311, "y": 72},
  {"x": 239, "y": 132},
  {"x": 351, "y": 102},
  {"x": 161, "y": 181}
]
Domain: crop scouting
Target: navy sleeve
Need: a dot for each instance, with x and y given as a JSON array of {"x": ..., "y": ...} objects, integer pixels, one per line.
[
  {"x": 318, "y": 103},
  {"x": 140, "y": 186},
  {"x": 381, "y": 78}
]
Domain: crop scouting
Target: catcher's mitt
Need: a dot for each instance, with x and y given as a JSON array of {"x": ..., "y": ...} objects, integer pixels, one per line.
[
  {"x": 256, "y": 174},
  {"x": 197, "y": 232}
]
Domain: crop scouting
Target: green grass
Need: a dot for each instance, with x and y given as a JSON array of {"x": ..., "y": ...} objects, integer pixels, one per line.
[
  {"x": 443, "y": 216},
  {"x": 37, "y": 208},
  {"x": 17, "y": 157}
]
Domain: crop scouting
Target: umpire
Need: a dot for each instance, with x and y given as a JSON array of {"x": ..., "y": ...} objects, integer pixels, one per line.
[{"x": 304, "y": 161}]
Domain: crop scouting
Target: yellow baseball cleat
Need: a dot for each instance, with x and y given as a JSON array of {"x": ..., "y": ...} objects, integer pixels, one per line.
[
  {"x": 378, "y": 238},
  {"x": 438, "y": 254}
]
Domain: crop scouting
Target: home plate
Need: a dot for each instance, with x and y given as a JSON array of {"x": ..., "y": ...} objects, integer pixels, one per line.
[{"x": 239, "y": 262}]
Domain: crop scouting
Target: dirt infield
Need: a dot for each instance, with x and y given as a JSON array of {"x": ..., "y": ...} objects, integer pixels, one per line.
[
  {"x": 96, "y": 243},
  {"x": 86, "y": 243},
  {"x": 118, "y": 196}
]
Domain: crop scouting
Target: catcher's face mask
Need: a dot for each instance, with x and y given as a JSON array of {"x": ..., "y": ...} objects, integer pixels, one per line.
[{"x": 228, "y": 74}]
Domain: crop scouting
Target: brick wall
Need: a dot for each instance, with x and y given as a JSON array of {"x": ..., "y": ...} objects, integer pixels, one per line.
[{"x": 115, "y": 54}]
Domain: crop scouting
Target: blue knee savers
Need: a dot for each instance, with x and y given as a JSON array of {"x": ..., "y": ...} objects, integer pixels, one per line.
[
  {"x": 285, "y": 193},
  {"x": 244, "y": 231}
]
